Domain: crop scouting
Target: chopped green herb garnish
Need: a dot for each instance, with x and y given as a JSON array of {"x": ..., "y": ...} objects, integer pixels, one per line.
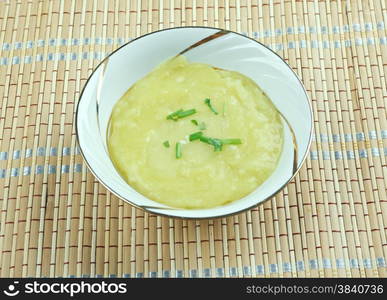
[
  {"x": 195, "y": 136},
  {"x": 187, "y": 113},
  {"x": 178, "y": 150},
  {"x": 202, "y": 126},
  {"x": 175, "y": 115},
  {"x": 205, "y": 139},
  {"x": 208, "y": 102},
  {"x": 180, "y": 114},
  {"x": 217, "y": 143},
  {"x": 166, "y": 144},
  {"x": 231, "y": 141}
]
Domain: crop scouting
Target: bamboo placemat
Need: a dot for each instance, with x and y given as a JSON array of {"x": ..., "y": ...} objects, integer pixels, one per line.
[{"x": 57, "y": 220}]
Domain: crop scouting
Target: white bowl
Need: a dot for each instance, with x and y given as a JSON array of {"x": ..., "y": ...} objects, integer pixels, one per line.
[{"x": 220, "y": 48}]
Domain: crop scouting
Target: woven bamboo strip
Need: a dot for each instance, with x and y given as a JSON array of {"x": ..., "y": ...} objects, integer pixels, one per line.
[
  {"x": 327, "y": 202},
  {"x": 3, "y": 144},
  {"x": 199, "y": 252},
  {"x": 169, "y": 268},
  {"x": 171, "y": 248},
  {"x": 225, "y": 253},
  {"x": 335, "y": 201},
  {"x": 361, "y": 125},
  {"x": 59, "y": 213},
  {"x": 71, "y": 210},
  {"x": 155, "y": 15},
  {"x": 178, "y": 249},
  {"x": 298, "y": 58},
  {"x": 81, "y": 67},
  {"x": 331, "y": 184},
  {"x": 379, "y": 82},
  {"x": 98, "y": 190},
  {"x": 242, "y": 229},
  {"x": 65, "y": 243},
  {"x": 380, "y": 10},
  {"x": 50, "y": 177},
  {"x": 167, "y": 12},
  {"x": 219, "y": 249},
  {"x": 344, "y": 213},
  {"x": 186, "y": 269},
  {"x": 20, "y": 209},
  {"x": 30, "y": 142},
  {"x": 356, "y": 180},
  {"x": 165, "y": 251},
  {"x": 152, "y": 245},
  {"x": 220, "y": 13},
  {"x": 126, "y": 240},
  {"x": 334, "y": 75},
  {"x": 347, "y": 122},
  {"x": 229, "y": 242},
  {"x": 211, "y": 249},
  {"x": 48, "y": 109},
  {"x": 9, "y": 188},
  {"x": 192, "y": 251},
  {"x": 78, "y": 160},
  {"x": 37, "y": 194},
  {"x": 139, "y": 245},
  {"x": 257, "y": 242},
  {"x": 238, "y": 251},
  {"x": 204, "y": 250},
  {"x": 376, "y": 189},
  {"x": 250, "y": 241},
  {"x": 6, "y": 127},
  {"x": 376, "y": 84},
  {"x": 16, "y": 126}
]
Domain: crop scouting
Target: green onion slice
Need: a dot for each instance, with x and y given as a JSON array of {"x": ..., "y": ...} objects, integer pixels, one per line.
[
  {"x": 208, "y": 102},
  {"x": 181, "y": 114},
  {"x": 195, "y": 136},
  {"x": 175, "y": 115},
  {"x": 187, "y": 113},
  {"x": 166, "y": 144},
  {"x": 217, "y": 143},
  {"x": 231, "y": 141},
  {"x": 178, "y": 150},
  {"x": 195, "y": 122}
]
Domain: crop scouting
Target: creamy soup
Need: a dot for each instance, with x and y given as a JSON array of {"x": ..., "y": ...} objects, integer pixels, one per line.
[{"x": 193, "y": 136}]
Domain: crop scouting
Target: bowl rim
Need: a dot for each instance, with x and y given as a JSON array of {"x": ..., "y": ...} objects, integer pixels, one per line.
[{"x": 148, "y": 209}]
